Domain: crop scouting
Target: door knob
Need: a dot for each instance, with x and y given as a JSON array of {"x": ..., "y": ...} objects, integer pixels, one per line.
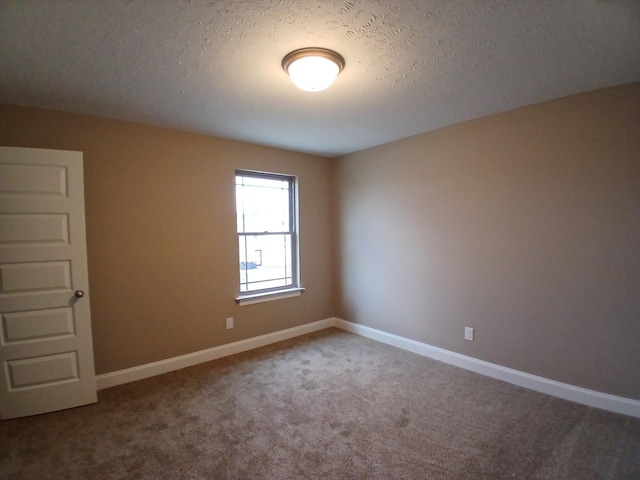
[{"x": 79, "y": 293}]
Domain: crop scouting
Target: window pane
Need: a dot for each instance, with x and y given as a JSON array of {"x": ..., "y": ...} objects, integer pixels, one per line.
[
  {"x": 262, "y": 204},
  {"x": 243, "y": 262},
  {"x": 266, "y": 231},
  {"x": 265, "y": 261},
  {"x": 239, "y": 205}
]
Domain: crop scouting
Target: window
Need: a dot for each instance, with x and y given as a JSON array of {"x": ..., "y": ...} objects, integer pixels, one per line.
[{"x": 267, "y": 233}]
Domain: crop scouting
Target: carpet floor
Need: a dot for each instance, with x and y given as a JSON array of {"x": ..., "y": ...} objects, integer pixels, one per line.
[{"x": 328, "y": 405}]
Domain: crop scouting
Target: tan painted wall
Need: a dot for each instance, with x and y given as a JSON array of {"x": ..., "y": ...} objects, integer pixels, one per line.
[
  {"x": 523, "y": 225},
  {"x": 161, "y": 240}
]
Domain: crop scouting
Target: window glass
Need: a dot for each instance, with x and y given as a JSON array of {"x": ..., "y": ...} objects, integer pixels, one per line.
[{"x": 267, "y": 241}]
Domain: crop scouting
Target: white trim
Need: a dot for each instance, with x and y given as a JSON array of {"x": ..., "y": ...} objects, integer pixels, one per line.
[
  {"x": 592, "y": 398},
  {"x": 252, "y": 298},
  {"x": 170, "y": 364}
]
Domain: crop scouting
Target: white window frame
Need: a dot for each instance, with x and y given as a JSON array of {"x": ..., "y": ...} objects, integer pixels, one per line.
[{"x": 275, "y": 293}]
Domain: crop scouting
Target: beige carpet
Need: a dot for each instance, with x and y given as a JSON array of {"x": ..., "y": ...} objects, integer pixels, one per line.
[{"x": 329, "y": 405}]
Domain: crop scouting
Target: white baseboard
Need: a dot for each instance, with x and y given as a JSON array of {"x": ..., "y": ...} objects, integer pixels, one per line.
[
  {"x": 580, "y": 395},
  {"x": 565, "y": 391},
  {"x": 163, "y": 366}
]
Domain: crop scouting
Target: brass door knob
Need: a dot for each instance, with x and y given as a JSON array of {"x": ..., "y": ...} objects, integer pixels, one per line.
[{"x": 79, "y": 293}]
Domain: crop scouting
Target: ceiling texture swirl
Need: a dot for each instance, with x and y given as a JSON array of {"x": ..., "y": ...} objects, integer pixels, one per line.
[{"x": 214, "y": 67}]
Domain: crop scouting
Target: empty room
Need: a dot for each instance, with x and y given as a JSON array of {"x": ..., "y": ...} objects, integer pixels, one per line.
[{"x": 343, "y": 240}]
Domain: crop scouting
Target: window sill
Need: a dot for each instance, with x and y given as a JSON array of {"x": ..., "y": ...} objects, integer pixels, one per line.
[{"x": 252, "y": 298}]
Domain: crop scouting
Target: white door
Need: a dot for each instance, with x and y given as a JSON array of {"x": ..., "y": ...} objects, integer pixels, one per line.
[{"x": 46, "y": 349}]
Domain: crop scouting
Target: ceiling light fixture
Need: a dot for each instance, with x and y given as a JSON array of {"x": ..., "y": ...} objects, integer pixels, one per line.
[{"x": 313, "y": 69}]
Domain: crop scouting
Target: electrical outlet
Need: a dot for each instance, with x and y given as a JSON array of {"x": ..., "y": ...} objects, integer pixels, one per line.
[
  {"x": 229, "y": 322},
  {"x": 468, "y": 333}
]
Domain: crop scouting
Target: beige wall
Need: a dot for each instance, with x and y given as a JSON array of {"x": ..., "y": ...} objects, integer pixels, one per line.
[
  {"x": 161, "y": 240},
  {"x": 523, "y": 225}
]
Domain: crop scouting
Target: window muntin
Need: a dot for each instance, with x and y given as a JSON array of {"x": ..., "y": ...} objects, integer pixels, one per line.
[{"x": 266, "y": 227}]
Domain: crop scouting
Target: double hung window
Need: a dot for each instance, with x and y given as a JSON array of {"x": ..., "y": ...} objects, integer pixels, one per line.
[{"x": 267, "y": 232}]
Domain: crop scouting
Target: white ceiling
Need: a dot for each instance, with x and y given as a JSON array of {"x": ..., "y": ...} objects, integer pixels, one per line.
[{"x": 214, "y": 66}]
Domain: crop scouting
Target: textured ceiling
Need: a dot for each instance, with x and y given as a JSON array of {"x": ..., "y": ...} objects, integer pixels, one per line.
[{"x": 214, "y": 66}]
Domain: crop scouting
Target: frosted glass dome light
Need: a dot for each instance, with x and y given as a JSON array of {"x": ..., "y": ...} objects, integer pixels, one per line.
[{"x": 313, "y": 69}]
